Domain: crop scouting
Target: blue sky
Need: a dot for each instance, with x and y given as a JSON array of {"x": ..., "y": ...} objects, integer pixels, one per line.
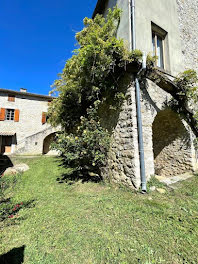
[{"x": 36, "y": 38}]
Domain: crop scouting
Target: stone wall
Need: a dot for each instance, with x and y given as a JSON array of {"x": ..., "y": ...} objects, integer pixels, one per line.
[
  {"x": 176, "y": 155},
  {"x": 34, "y": 144},
  {"x": 171, "y": 144},
  {"x": 169, "y": 133},
  {"x": 30, "y": 120},
  {"x": 123, "y": 163},
  {"x": 188, "y": 25}
]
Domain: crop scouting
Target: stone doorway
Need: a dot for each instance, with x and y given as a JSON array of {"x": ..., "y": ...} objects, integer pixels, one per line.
[
  {"x": 171, "y": 144},
  {"x": 47, "y": 142}
]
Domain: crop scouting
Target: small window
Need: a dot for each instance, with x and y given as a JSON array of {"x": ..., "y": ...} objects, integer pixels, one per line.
[
  {"x": 9, "y": 114},
  {"x": 158, "y": 45},
  {"x": 158, "y": 50},
  {"x": 11, "y": 98}
]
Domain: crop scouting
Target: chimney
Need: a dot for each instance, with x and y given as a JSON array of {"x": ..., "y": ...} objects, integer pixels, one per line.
[{"x": 23, "y": 90}]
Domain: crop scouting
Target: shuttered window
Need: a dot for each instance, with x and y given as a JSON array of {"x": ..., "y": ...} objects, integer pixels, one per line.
[
  {"x": 2, "y": 114},
  {"x": 11, "y": 98},
  {"x": 44, "y": 118},
  {"x": 16, "y": 115},
  {"x": 9, "y": 114}
]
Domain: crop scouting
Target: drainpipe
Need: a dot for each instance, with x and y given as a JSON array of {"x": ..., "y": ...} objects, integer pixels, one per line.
[{"x": 132, "y": 35}]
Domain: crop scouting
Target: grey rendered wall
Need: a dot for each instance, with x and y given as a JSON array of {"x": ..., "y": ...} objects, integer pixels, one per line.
[
  {"x": 123, "y": 30},
  {"x": 164, "y": 14}
]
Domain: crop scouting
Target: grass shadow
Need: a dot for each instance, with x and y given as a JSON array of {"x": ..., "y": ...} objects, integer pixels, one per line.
[
  {"x": 14, "y": 256},
  {"x": 5, "y": 162},
  {"x": 84, "y": 177},
  {"x": 71, "y": 176}
]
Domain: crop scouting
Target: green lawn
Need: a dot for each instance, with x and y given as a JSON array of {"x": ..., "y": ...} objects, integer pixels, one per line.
[{"x": 97, "y": 223}]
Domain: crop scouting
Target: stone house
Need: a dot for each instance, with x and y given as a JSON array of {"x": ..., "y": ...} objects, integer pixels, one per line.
[
  {"x": 168, "y": 29},
  {"x": 23, "y": 126}
]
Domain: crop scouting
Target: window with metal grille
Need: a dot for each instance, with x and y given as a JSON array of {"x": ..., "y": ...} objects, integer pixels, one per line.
[{"x": 9, "y": 114}]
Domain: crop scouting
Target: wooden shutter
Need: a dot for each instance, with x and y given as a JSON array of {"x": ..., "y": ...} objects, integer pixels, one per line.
[
  {"x": 2, "y": 114},
  {"x": 11, "y": 98},
  {"x": 43, "y": 118},
  {"x": 16, "y": 115}
]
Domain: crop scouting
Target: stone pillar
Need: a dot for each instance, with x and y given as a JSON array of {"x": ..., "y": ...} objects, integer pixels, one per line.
[{"x": 123, "y": 159}]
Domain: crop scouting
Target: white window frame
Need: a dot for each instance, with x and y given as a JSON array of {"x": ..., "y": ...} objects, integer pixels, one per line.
[
  {"x": 158, "y": 32},
  {"x": 9, "y": 114}
]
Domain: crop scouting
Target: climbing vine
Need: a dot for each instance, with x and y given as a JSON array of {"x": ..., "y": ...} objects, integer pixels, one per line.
[
  {"x": 89, "y": 79},
  {"x": 93, "y": 71}
]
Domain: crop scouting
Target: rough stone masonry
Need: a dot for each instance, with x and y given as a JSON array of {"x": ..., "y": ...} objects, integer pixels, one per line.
[{"x": 168, "y": 140}]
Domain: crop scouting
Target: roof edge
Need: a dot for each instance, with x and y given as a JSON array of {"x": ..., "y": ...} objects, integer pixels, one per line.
[
  {"x": 99, "y": 7},
  {"x": 26, "y": 94}
]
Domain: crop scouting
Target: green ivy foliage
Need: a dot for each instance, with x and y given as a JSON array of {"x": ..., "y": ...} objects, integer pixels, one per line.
[
  {"x": 90, "y": 73},
  {"x": 187, "y": 88},
  {"x": 85, "y": 150},
  {"x": 187, "y": 83},
  {"x": 88, "y": 80}
]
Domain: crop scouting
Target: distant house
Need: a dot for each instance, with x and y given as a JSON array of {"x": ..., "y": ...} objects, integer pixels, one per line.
[
  {"x": 23, "y": 126},
  {"x": 169, "y": 30}
]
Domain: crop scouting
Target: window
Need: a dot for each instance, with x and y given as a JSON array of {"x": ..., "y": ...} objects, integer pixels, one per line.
[
  {"x": 159, "y": 45},
  {"x": 9, "y": 114},
  {"x": 158, "y": 49},
  {"x": 11, "y": 98}
]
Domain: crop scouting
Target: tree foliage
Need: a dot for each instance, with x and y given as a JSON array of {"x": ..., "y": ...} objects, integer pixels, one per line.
[
  {"x": 89, "y": 75},
  {"x": 88, "y": 79}
]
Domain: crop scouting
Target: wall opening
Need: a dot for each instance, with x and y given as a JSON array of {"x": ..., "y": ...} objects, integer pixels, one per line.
[
  {"x": 171, "y": 144},
  {"x": 47, "y": 142}
]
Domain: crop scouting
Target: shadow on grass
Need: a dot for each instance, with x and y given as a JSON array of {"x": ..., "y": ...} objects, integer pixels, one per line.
[
  {"x": 14, "y": 256},
  {"x": 71, "y": 178},
  {"x": 5, "y": 163}
]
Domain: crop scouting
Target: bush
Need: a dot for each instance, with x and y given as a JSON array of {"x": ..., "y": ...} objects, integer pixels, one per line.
[{"x": 85, "y": 150}]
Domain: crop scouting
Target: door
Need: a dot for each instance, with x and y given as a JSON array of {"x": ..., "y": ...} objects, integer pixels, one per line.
[{"x": 6, "y": 144}]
